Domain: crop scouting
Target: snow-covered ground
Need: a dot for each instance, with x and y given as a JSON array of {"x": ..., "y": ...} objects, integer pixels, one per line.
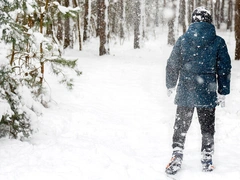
[{"x": 117, "y": 123}]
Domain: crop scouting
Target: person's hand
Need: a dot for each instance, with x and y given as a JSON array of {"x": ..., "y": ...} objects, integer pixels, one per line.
[
  {"x": 221, "y": 100},
  {"x": 170, "y": 91}
]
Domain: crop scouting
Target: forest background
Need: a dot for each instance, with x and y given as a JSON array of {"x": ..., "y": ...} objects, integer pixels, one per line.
[
  {"x": 36, "y": 34},
  {"x": 115, "y": 121}
]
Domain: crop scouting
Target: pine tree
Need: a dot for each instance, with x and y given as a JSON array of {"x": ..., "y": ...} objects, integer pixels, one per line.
[
  {"x": 22, "y": 74},
  {"x": 15, "y": 121}
]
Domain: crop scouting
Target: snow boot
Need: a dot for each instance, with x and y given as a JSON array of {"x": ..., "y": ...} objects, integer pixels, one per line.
[
  {"x": 175, "y": 164},
  {"x": 207, "y": 165}
]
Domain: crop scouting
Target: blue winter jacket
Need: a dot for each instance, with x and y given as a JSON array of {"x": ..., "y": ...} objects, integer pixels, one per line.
[{"x": 201, "y": 65}]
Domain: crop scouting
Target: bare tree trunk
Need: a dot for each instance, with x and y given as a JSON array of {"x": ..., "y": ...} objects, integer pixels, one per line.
[
  {"x": 190, "y": 10},
  {"x": 230, "y": 15},
  {"x": 212, "y": 9},
  {"x": 86, "y": 21},
  {"x": 205, "y": 3},
  {"x": 237, "y": 30},
  {"x": 41, "y": 45},
  {"x": 182, "y": 15},
  {"x": 156, "y": 14},
  {"x": 198, "y": 3},
  {"x": 143, "y": 19},
  {"x": 98, "y": 18},
  {"x": 222, "y": 11},
  {"x": 217, "y": 13},
  {"x": 41, "y": 49},
  {"x": 122, "y": 35},
  {"x": 49, "y": 30},
  {"x": 103, "y": 49},
  {"x": 75, "y": 4},
  {"x": 66, "y": 28},
  {"x": 13, "y": 53},
  {"x": 59, "y": 26},
  {"x": 137, "y": 21},
  {"x": 171, "y": 35},
  {"x": 113, "y": 14}
]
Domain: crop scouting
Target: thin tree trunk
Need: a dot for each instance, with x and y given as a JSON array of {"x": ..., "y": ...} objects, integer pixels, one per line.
[
  {"x": 217, "y": 13},
  {"x": 198, "y": 3},
  {"x": 205, "y": 3},
  {"x": 113, "y": 14},
  {"x": 122, "y": 35},
  {"x": 222, "y": 11},
  {"x": 182, "y": 15},
  {"x": 212, "y": 7},
  {"x": 103, "y": 49},
  {"x": 157, "y": 13},
  {"x": 190, "y": 11},
  {"x": 98, "y": 18},
  {"x": 49, "y": 28},
  {"x": 237, "y": 30},
  {"x": 171, "y": 35},
  {"x": 59, "y": 26},
  {"x": 137, "y": 21},
  {"x": 230, "y": 15},
  {"x": 13, "y": 53},
  {"x": 143, "y": 19},
  {"x": 41, "y": 45},
  {"x": 86, "y": 21},
  {"x": 75, "y": 4},
  {"x": 66, "y": 28}
]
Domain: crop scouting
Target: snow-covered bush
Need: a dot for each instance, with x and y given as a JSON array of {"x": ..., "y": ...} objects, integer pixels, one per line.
[
  {"x": 15, "y": 119},
  {"x": 29, "y": 48}
]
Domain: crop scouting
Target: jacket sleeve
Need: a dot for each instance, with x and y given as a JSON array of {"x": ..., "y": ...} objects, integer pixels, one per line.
[
  {"x": 223, "y": 69},
  {"x": 173, "y": 65}
]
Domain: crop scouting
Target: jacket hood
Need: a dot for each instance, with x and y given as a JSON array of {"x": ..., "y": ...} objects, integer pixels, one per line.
[{"x": 200, "y": 34}]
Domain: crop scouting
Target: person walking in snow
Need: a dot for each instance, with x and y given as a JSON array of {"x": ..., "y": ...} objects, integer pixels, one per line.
[{"x": 200, "y": 67}]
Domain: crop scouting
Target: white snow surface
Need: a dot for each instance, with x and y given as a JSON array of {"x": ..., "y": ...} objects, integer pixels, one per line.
[{"x": 117, "y": 122}]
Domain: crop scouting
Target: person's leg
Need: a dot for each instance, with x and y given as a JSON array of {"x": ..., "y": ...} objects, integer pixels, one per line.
[
  {"x": 206, "y": 118},
  {"x": 207, "y": 122},
  {"x": 182, "y": 123}
]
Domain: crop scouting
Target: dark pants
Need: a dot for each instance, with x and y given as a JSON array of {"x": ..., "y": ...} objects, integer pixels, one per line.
[{"x": 206, "y": 117}]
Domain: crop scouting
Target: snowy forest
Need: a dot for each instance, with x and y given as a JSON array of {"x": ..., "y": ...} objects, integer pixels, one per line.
[
  {"x": 83, "y": 93},
  {"x": 36, "y": 33}
]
